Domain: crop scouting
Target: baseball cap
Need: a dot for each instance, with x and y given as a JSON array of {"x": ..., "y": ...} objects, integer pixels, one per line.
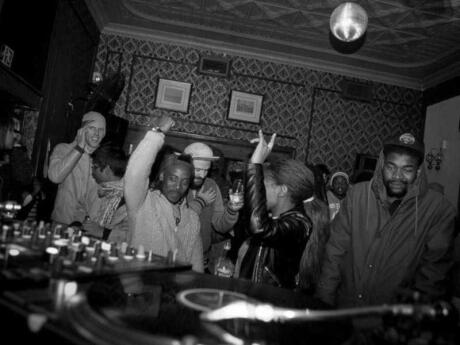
[
  {"x": 408, "y": 141},
  {"x": 200, "y": 151}
]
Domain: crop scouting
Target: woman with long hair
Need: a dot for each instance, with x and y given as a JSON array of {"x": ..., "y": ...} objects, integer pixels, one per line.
[
  {"x": 279, "y": 227},
  {"x": 310, "y": 264}
]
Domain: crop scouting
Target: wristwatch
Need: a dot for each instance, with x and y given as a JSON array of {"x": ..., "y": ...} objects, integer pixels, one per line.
[
  {"x": 79, "y": 149},
  {"x": 157, "y": 129}
]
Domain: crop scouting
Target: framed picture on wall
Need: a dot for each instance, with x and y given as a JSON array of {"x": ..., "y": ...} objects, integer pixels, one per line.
[
  {"x": 173, "y": 95},
  {"x": 215, "y": 66},
  {"x": 245, "y": 106}
]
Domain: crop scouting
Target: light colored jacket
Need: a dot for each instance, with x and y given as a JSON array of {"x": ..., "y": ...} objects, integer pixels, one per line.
[
  {"x": 77, "y": 191},
  {"x": 215, "y": 218},
  {"x": 150, "y": 213}
]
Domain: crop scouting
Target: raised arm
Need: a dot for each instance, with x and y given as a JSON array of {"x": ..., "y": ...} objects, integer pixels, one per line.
[
  {"x": 63, "y": 160},
  {"x": 140, "y": 163}
]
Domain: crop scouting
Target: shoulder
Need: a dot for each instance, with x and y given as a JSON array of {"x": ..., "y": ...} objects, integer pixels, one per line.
[
  {"x": 62, "y": 147},
  {"x": 210, "y": 183},
  {"x": 296, "y": 215},
  {"x": 436, "y": 200}
]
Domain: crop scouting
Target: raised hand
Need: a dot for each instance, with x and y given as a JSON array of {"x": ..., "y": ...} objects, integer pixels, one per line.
[
  {"x": 235, "y": 204},
  {"x": 81, "y": 136},
  {"x": 165, "y": 123},
  {"x": 208, "y": 196},
  {"x": 262, "y": 149}
]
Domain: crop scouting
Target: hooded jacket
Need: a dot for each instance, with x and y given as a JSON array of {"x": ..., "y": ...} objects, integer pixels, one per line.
[
  {"x": 371, "y": 254},
  {"x": 272, "y": 254}
]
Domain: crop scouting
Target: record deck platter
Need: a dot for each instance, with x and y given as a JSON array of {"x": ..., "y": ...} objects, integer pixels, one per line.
[{"x": 165, "y": 308}]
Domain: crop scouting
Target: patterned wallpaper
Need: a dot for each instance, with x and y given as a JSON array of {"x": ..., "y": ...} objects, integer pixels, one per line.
[{"x": 303, "y": 106}]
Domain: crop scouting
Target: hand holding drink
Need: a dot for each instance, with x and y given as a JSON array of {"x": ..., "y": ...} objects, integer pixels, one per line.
[{"x": 236, "y": 194}]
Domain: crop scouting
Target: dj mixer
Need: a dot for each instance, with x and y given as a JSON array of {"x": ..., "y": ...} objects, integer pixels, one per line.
[{"x": 35, "y": 253}]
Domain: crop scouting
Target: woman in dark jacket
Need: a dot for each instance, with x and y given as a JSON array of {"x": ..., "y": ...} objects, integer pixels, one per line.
[{"x": 279, "y": 227}]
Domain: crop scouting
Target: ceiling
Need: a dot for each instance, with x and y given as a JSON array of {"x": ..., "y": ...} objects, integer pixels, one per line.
[{"x": 411, "y": 43}]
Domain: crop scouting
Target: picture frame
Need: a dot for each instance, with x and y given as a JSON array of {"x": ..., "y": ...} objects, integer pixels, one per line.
[
  {"x": 173, "y": 95},
  {"x": 245, "y": 106},
  {"x": 214, "y": 66}
]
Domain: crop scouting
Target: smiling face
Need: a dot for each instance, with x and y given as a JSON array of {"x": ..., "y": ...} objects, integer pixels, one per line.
[
  {"x": 94, "y": 124},
  {"x": 399, "y": 172},
  {"x": 176, "y": 180},
  {"x": 94, "y": 134}
]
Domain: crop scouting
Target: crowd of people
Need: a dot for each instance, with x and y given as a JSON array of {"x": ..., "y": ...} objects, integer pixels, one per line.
[{"x": 302, "y": 228}]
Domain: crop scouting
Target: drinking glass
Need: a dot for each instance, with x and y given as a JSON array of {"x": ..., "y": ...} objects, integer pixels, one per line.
[{"x": 237, "y": 192}]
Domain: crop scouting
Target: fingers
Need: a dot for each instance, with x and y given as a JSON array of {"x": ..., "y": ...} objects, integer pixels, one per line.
[
  {"x": 272, "y": 141},
  {"x": 261, "y": 139},
  {"x": 166, "y": 127},
  {"x": 166, "y": 123},
  {"x": 261, "y": 135}
]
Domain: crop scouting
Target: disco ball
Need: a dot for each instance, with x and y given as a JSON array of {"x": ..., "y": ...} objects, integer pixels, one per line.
[{"x": 348, "y": 22}]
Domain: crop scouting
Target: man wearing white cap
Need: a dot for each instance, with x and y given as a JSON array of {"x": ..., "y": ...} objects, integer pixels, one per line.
[
  {"x": 70, "y": 167},
  {"x": 206, "y": 198},
  {"x": 338, "y": 185}
]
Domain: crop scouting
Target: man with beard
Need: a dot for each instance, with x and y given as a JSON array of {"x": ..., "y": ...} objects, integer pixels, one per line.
[
  {"x": 70, "y": 167},
  {"x": 392, "y": 234},
  {"x": 206, "y": 199},
  {"x": 161, "y": 220},
  {"x": 338, "y": 190}
]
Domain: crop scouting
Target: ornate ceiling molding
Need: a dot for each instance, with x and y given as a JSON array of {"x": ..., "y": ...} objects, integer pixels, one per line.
[
  {"x": 408, "y": 43},
  {"x": 278, "y": 57}
]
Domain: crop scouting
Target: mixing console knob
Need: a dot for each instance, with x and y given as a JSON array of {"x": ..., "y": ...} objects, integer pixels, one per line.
[
  {"x": 16, "y": 229},
  {"x": 57, "y": 233},
  {"x": 140, "y": 253},
  {"x": 9, "y": 209},
  {"x": 5, "y": 232},
  {"x": 113, "y": 253}
]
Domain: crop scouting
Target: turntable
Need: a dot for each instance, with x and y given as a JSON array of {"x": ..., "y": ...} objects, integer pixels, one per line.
[
  {"x": 165, "y": 308},
  {"x": 189, "y": 308}
]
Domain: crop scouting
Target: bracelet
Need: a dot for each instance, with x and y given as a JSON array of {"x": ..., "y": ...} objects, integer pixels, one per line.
[
  {"x": 79, "y": 149},
  {"x": 157, "y": 129}
]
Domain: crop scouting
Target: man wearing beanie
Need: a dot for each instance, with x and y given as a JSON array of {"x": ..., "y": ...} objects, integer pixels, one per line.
[
  {"x": 338, "y": 187},
  {"x": 206, "y": 199},
  {"x": 391, "y": 235},
  {"x": 70, "y": 167}
]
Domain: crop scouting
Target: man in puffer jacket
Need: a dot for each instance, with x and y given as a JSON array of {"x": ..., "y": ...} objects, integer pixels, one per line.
[{"x": 391, "y": 234}]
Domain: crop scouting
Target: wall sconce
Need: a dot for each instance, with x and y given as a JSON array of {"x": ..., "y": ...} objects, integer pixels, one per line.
[{"x": 435, "y": 156}]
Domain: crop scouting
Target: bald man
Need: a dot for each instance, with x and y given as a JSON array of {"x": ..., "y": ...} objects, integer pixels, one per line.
[{"x": 70, "y": 167}]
